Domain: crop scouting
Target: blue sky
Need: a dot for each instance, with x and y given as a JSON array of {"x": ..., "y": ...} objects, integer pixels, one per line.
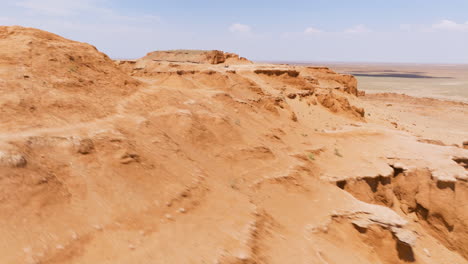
[{"x": 295, "y": 30}]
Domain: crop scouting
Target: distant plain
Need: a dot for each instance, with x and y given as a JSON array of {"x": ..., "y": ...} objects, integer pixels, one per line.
[{"x": 442, "y": 81}]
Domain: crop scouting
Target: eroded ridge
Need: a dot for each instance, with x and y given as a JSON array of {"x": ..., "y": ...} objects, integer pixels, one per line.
[{"x": 206, "y": 157}]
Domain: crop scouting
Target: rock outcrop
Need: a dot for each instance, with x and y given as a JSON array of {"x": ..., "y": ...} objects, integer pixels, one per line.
[
  {"x": 196, "y": 56},
  {"x": 48, "y": 79}
]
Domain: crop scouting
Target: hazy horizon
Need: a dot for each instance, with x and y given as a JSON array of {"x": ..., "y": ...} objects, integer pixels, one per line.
[
  {"x": 366, "y": 62},
  {"x": 303, "y": 31}
]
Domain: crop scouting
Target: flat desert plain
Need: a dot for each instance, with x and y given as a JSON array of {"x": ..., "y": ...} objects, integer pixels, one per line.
[{"x": 443, "y": 81}]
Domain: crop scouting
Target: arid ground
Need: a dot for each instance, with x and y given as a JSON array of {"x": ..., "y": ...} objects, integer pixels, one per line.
[
  {"x": 206, "y": 157},
  {"x": 443, "y": 81}
]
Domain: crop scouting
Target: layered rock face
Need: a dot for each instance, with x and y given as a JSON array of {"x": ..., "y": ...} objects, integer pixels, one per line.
[
  {"x": 186, "y": 158},
  {"x": 196, "y": 56}
]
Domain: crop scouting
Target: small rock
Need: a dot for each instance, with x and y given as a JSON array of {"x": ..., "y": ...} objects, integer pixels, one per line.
[
  {"x": 13, "y": 160},
  {"x": 168, "y": 216},
  {"x": 127, "y": 157},
  {"x": 293, "y": 117},
  {"x": 465, "y": 144},
  {"x": 182, "y": 210},
  {"x": 85, "y": 146},
  {"x": 313, "y": 101},
  {"x": 426, "y": 251},
  {"x": 405, "y": 236},
  {"x": 292, "y": 96}
]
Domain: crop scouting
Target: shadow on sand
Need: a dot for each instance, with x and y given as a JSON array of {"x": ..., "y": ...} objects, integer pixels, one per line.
[{"x": 411, "y": 75}]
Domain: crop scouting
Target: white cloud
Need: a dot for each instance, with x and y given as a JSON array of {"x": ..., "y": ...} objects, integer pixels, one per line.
[
  {"x": 312, "y": 30},
  {"x": 358, "y": 29},
  {"x": 448, "y": 25},
  {"x": 237, "y": 27}
]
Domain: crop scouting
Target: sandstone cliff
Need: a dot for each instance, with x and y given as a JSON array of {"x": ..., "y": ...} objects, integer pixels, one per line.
[{"x": 196, "y": 56}]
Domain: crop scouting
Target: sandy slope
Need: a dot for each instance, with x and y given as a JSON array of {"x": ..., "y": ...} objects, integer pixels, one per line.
[{"x": 179, "y": 162}]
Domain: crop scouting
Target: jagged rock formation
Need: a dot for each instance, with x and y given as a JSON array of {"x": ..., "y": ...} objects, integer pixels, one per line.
[{"x": 211, "y": 163}]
